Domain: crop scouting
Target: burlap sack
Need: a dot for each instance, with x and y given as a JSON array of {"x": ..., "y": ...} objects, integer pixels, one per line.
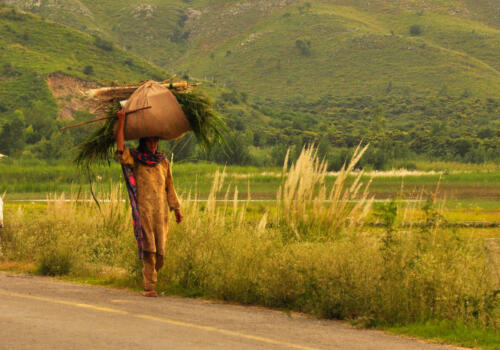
[{"x": 165, "y": 119}]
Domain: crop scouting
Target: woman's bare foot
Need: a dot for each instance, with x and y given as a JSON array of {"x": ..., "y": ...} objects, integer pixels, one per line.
[{"x": 150, "y": 293}]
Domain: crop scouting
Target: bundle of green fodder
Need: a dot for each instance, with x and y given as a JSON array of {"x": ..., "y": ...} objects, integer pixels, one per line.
[{"x": 164, "y": 110}]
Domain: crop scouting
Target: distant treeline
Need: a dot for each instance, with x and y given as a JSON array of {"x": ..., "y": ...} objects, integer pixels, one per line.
[{"x": 399, "y": 130}]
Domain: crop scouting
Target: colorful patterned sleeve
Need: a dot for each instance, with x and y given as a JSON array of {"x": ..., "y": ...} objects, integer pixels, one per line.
[{"x": 125, "y": 157}]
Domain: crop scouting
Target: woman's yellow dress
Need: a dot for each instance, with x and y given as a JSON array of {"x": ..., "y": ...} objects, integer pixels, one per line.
[{"x": 155, "y": 197}]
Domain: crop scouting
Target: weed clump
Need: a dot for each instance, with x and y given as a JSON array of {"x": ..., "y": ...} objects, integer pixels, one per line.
[
  {"x": 415, "y": 30},
  {"x": 55, "y": 262},
  {"x": 308, "y": 208}
]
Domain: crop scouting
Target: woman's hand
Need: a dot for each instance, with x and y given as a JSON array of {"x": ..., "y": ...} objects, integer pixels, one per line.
[
  {"x": 120, "y": 114},
  {"x": 178, "y": 216}
]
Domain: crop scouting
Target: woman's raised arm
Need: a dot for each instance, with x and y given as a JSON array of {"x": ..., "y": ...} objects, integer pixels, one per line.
[{"x": 120, "y": 136}]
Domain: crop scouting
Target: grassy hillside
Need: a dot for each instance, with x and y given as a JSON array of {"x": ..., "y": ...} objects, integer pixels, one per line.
[
  {"x": 353, "y": 49},
  {"x": 342, "y": 51},
  {"x": 37, "y": 53},
  {"x": 414, "y": 80},
  {"x": 32, "y": 48},
  {"x": 306, "y": 48}
]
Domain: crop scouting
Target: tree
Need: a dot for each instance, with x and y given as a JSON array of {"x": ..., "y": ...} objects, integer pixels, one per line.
[
  {"x": 486, "y": 133},
  {"x": 443, "y": 91},
  {"x": 88, "y": 70},
  {"x": 323, "y": 147},
  {"x": 466, "y": 94},
  {"x": 12, "y": 135},
  {"x": 8, "y": 70},
  {"x": 103, "y": 44},
  {"x": 56, "y": 147},
  {"x": 304, "y": 45},
  {"x": 305, "y": 8},
  {"x": 415, "y": 30},
  {"x": 278, "y": 153},
  {"x": 378, "y": 121},
  {"x": 42, "y": 116},
  {"x": 463, "y": 146},
  {"x": 238, "y": 151}
]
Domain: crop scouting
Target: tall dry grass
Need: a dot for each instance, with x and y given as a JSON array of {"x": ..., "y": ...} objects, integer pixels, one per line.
[
  {"x": 311, "y": 252},
  {"x": 308, "y": 208},
  {"x": 71, "y": 234}
]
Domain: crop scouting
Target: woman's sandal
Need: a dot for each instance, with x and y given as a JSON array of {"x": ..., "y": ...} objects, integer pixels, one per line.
[{"x": 150, "y": 293}]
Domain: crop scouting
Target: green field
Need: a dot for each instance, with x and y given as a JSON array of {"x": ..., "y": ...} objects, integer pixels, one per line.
[{"x": 469, "y": 195}]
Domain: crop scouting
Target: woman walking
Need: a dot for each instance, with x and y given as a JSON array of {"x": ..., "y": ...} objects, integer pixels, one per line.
[{"x": 152, "y": 194}]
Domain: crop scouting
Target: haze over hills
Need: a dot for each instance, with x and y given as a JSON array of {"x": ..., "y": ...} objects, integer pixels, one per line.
[{"x": 305, "y": 48}]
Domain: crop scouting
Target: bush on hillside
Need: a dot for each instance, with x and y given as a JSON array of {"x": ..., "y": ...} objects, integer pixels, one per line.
[
  {"x": 12, "y": 15},
  {"x": 179, "y": 35},
  {"x": 103, "y": 44},
  {"x": 305, "y": 8},
  {"x": 304, "y": 46},
  {"x": 415, "y": 30},
  {"x": 88, "y": 70},
  {"x": 8, "y": 70},
  {"x": 12, "y": 139}
]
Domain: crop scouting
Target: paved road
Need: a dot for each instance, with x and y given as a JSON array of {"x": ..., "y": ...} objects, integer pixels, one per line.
[{"x": 40, "y": 313}]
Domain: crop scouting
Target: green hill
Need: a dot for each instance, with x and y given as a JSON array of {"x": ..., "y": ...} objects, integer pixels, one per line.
[
  {"x": 415, "y": 79},
  {"x": 43, "y": 65},
  {"x": 306, "y": 48},
  {"x": 31, "y": 49},
  {"x": 337, "y": 51}
]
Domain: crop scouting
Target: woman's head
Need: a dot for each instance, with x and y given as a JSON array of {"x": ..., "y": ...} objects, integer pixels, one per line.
[{"x": 149, "y": 144}]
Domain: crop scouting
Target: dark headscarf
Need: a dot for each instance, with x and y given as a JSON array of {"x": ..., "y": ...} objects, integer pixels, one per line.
[{"x": 142, "y": 155}]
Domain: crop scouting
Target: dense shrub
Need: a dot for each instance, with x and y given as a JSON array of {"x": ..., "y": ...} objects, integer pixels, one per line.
[
  {"x": 304, "y": 46},
  {"x": 13, "y": 15},
  {"x": 88, "y": 70},
  {"x": 55, "y": 261},
  {"x": 102, "y": 43},
  {"x": 415, "y": 30},
  {"x": 12, "y": 138}
]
